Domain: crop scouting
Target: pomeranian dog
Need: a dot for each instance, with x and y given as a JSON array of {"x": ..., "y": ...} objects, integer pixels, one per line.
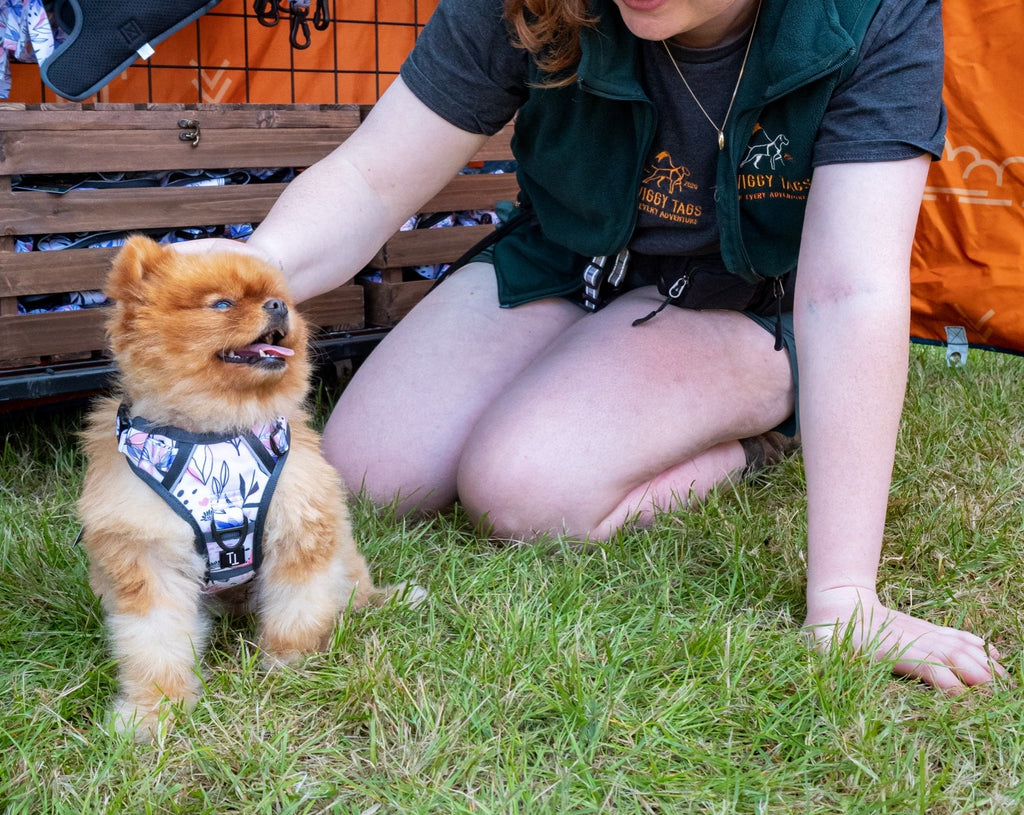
[{"x": 205, "y": 488}]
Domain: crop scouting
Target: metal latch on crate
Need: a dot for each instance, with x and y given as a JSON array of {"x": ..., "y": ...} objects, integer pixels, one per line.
[
  {"x": 189, "y": 131},
  {"x": 956, "y": 346}
]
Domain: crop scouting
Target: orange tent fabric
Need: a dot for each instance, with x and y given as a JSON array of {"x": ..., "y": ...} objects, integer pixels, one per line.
[{"x": 968, "y": 261}]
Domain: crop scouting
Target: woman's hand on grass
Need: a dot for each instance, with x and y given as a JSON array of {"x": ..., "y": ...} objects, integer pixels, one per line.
[{"x": 945, "y": 658}]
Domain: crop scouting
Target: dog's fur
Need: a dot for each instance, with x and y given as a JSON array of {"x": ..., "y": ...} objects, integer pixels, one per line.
[{"x": 175, "y": 316}]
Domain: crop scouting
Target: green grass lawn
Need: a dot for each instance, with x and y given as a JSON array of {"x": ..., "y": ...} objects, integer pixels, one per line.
[{"x": 663, "y": 672}]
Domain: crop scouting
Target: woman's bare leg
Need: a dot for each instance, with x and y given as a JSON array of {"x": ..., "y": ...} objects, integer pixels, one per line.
[
  {"x": 614, "y": 421},
  {"x": 401, "y": 423},
  {"x": 546, "y": 419}
]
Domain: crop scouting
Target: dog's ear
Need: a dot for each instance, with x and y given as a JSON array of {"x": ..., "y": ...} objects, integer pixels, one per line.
[{"x": 139, "y": 257}]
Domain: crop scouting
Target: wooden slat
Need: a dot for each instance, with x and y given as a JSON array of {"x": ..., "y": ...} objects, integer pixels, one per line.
[
  {"x": 498, "y": 147},
  {"x": 102, "y": 151},
  {"x": 37, "y": 213},
  {"x": 126, "y": 150},
  {"x": 340, "y": 309},
  {"x": 67, "y": 332},
  {"x": 34, "y": 335},
  {"x": 46, "y": 273},
  {"x": 165, "y": 117},
  {"x": 468, "y": 192},
  {"x": 425, "y": 246},
  {"x": 387, "y": 303}
]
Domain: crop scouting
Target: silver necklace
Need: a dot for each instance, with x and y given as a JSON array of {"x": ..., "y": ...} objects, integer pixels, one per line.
[{"x": 719, "y": 130}]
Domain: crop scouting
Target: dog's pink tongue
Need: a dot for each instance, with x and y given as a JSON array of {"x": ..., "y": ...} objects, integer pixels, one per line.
[{"x": 263, "y": 349}]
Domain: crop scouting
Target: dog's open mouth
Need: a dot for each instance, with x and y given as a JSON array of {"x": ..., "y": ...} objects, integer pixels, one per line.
[{"x": 266, "y": 352}]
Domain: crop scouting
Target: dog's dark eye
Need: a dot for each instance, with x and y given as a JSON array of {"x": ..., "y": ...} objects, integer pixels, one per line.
[{"x": 222, "y": 305}]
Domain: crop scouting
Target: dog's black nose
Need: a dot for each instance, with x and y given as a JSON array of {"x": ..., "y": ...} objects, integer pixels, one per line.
[{"x": 276, "y": 308}]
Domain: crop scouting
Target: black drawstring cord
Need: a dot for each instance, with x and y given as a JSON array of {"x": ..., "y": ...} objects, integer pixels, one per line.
[
  {"x": 675, "y": 291},
  {"x": 779, "y": 290},
  {"x": 658, "y": 310}
]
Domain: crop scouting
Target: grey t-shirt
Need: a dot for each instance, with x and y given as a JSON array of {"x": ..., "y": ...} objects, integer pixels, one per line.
[{"x": 466, "y": 69}]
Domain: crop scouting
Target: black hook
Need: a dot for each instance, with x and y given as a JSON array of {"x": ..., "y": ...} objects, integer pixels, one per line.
[
  {"x": 320, "y": 18},
  {"x": 300, "y": 27},
  {"x": 267, "y": 12}
]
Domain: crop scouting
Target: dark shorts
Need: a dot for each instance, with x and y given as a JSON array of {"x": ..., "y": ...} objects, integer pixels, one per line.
[{"x": 791, "y": 426}]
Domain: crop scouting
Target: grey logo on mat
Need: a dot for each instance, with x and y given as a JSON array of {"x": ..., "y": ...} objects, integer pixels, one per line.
[{"x": 132, "y": 32}]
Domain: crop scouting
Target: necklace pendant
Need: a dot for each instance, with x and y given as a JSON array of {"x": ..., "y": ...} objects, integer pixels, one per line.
[{"x": 721, "y": 140}]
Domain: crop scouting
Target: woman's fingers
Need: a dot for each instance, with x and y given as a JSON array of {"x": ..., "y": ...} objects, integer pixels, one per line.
[{"x": 943, "y": 657}]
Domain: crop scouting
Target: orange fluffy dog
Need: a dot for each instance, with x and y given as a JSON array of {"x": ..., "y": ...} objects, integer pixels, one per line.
[{"x": 182, "y": 464}]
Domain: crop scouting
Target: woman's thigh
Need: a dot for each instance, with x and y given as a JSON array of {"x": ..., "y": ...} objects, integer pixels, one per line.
[
  {"x": 611, "y": 411},
  {"x": 400, "y": 425}
]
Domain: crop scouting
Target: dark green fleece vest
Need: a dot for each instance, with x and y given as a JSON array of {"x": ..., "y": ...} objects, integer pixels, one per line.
[{"x": 581, "y": 149}]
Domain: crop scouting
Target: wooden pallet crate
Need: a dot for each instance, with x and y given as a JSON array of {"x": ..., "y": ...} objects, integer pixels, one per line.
[{"x": 72, "y": 139}]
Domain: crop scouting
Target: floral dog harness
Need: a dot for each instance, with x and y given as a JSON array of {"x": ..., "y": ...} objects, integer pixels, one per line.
[{"x": 221, "y": 485}]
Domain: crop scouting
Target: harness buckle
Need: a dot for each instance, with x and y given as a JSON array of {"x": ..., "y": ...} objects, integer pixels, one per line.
[{"x": 231, "y": 555}]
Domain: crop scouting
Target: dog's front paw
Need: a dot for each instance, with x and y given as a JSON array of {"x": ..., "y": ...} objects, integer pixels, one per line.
[
  {"x": 271, "y": 660},
  {"x": 408, "y": 594},
  {"x": 143, "y": 724}
]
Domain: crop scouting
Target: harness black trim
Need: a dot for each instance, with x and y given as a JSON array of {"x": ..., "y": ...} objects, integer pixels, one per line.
[{"x": 186, "y": 443}]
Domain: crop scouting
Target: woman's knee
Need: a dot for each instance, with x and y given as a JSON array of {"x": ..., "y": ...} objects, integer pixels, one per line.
[
  {"x": 492, "y": 482},
  {"x": 516, "y": 488},
  {"x": 385, "y": 457}
]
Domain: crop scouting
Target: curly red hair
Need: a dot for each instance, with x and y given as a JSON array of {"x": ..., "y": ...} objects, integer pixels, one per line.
[{"x": 550, "y": 31}]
